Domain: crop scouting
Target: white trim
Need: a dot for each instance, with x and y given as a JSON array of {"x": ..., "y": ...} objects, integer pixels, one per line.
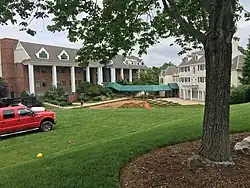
[
  {"x": 73, "y": 79},
  {"x": 31, "y": 79},
  {"x": 63, "y": 52},
  {"x": 42, "y": 49},
  {"x": 19, "y": 43},
  {"x": 54, "y": 76}
]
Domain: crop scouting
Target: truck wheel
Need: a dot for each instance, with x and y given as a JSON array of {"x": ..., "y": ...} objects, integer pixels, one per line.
[{"x": 46, "y": 126}]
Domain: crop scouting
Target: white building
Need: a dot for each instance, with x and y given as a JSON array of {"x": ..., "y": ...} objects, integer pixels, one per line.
[{"x": 191, "y": 74}]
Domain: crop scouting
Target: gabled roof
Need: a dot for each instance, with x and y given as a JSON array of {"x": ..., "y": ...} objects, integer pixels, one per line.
[
  {"x": 54, "y": 51},
  {"x": 192, "y": 61},
  {"x": 170, "y": 71}
]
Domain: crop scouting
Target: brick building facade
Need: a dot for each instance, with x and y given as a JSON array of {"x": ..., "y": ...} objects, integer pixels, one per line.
[{"x": 36, "y": 68}]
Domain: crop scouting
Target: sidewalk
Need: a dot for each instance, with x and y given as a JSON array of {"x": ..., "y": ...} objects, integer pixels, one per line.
[{"x": 183, "y": 102}]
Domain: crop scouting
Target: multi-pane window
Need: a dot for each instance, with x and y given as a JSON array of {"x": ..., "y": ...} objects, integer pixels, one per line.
[
  {"x": 43, "y": 55},
  {"x": 201, "y": 67},
  {"x": 64, "y": 56},
  {"x": 184, "y": 69},
  {"x": 38, "y": 84},
  {"x": 185, "y": 79},
  {"x": 201, "y": 79}
]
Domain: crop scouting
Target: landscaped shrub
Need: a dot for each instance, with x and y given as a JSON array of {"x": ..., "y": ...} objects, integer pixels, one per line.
[
  {"x": 24, "y": 94},
  {"x": 97, "y": 98},
  {"x": 69, "y": 103},
  {"x": 55, "y": 102},
  {"x": 63, "y": 103},
  {"x": 57, "y": 97},
  {"x": 240, "y": 94},
  {"x": 90, "y": 92}
]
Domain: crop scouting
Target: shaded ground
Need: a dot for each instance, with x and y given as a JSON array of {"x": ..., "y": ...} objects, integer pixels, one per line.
[
  {"x": 167, "y": 168},
  {"x": 122, "y": 104}
]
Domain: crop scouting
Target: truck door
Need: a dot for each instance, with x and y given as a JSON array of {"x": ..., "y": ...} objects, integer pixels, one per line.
[
  {"x": 9, "y": 122},
  {"x": 25, "y": 119}
]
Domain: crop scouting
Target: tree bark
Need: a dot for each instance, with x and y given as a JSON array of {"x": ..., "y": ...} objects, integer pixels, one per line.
[{"x": 215, "y": 139}]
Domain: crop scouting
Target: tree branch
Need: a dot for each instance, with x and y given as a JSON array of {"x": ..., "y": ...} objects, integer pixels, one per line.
[
  {"x": 205, "y": 20},
  {"x": 172, "y": 10}
]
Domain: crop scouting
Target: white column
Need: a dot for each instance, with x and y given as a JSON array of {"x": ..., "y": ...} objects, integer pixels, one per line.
[
  {"x": 122, "y": 74},
  {"x": 112, "y": 71},
  {"x": 198, "y": 95},
  {"x": 191, "y": 94},
  {"x": 100, "y": 76},
  {"x": 87, "y": 74},
  {"x": 139, "y": 71},
  {"x": 73, "y": 79},
  {"x": 130, "y": 75},
  {"x": 31, "y": 79},
  {"x": 184, "y": 93},
  {"x": 54, "y": 77}
]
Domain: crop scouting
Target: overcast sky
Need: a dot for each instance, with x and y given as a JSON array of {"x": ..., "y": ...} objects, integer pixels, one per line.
[{"x": 156, "y": 56}]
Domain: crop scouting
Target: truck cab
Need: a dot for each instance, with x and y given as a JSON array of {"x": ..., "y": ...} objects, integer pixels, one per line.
[{"x": 17, "y": 119}]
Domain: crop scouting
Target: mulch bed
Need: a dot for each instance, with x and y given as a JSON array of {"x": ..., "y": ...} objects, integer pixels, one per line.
[{"x": 167, "y": 168}]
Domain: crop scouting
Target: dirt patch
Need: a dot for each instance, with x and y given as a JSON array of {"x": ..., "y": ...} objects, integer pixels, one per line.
[
  {"x": 167, "y": 168},
  {"x": 122, "y": 104}
]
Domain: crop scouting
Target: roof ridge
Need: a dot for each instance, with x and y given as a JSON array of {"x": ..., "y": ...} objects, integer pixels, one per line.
[{"x": 42, "y": 44}]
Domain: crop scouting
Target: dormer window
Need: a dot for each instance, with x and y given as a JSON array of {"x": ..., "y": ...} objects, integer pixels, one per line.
[
  {"x": 196, "y": 57},
  {"x": 63, "y": 56},
  {"x": 42, "y": 54}
]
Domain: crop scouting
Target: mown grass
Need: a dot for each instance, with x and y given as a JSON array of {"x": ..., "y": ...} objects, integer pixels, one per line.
[{"x": 103, "y": 142}]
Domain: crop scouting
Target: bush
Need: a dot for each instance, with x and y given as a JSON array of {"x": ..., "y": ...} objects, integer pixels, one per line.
[
  {"x": 88, "y": 91},
  {"x": 63, "y": 103},
  {"x": 98, "y": 98},
  {"x": 69, "y": 103},
  {"x": 24, "y": 94},
  {"x": 55, "y": 102},
  {"x": 240, "y": 94}
]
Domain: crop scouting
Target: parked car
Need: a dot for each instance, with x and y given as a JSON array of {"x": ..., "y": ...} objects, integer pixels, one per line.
[{"x": 18, "y": 119}]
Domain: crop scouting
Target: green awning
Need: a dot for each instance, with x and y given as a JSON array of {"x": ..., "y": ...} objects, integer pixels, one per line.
[
  {"x": 138, "y": 88},
  {"x": 173, "y": 85}
]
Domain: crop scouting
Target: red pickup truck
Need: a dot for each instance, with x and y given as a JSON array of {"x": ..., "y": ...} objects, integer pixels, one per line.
[{"x": 19, "y": 119}]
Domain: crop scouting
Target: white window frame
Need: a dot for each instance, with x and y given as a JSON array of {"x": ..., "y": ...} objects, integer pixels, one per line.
[
  {"x": 41, "y": 50},
  {"x": 63, "y": 52}
]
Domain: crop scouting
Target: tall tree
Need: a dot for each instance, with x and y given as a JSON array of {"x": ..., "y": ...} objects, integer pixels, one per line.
[
  {"x": 122, "y": 24},
  {"x": 22, "y": 12},
  {"x": 245, "y": 79}
]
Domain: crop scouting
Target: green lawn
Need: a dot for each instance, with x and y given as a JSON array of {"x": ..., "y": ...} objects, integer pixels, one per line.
[{"x": 103, "y": 141}]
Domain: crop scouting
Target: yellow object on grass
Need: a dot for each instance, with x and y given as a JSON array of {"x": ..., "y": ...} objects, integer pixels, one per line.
[{"x": 39, "y": 155}]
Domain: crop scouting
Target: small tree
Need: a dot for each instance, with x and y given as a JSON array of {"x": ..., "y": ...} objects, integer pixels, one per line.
[
  {"x": 3, "y": 88},
  {"x": 245, "y": 79}
]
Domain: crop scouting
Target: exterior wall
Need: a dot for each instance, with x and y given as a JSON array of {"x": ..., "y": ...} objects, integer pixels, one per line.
[
  {"x": 235, "y": 52},
  {"x": 235, "y": 82},
  {"x": 7, "y": 63}
]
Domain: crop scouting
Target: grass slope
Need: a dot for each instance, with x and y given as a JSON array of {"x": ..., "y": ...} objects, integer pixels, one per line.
[{"x": 103, "y": 141}]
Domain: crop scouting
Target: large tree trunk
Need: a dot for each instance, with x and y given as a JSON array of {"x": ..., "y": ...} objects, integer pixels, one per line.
[{"x": 215, "y": 139}]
